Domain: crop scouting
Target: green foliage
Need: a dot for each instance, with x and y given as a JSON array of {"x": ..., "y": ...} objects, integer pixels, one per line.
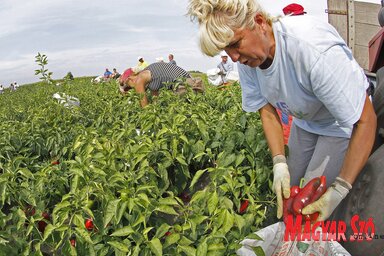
[
  {"x": 42, "y": 61},
  {"x": 129, "y": 170}
]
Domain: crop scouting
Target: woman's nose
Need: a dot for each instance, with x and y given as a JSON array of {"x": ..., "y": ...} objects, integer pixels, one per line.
[{"x": 234, "y": 55}]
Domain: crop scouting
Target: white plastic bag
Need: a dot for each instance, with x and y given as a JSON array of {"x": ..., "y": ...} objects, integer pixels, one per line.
[
  {"x": 213, "y": 77},
  {"x": 98, "y": 79},
  {"x": 66, "y": 100},
  {"x": 215, "y": 80},
  {"x": 213, "y": 71},
  {"x": 273, "y": 244}
]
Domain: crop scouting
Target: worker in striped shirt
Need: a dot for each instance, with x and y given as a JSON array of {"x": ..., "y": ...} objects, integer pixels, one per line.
[{"x": 154, "y": 77}]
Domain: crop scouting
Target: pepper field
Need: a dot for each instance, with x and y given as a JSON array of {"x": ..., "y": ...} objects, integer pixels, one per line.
[{"x": 187, "y": 175}]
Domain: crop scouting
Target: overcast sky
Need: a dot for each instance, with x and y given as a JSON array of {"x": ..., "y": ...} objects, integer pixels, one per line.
[{"x": 87, "y": 36}]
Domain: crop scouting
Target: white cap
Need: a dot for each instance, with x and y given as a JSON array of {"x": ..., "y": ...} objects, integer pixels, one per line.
[
  {"x": 223, "y": 54},
  {"x": 138, "y": 58},
  {"x": 158, "y": 59}
]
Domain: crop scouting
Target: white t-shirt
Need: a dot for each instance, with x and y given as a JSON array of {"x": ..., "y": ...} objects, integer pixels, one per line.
[{"x": 313, "y": 77}]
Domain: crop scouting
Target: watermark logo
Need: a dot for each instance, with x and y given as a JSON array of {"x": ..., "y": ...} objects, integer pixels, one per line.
[{"x": 330, "y": 230}]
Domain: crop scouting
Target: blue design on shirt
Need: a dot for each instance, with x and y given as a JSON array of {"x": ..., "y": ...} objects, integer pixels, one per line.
[{"x": 284, "y": 108}]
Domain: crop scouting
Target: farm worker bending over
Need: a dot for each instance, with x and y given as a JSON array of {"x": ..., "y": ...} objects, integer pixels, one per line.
[
  {"x": 300, "y": 65},
  {"x": 154, "y": 77}
]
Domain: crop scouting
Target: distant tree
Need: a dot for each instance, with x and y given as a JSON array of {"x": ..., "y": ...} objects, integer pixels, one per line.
[{"x": 69, "y": 76}]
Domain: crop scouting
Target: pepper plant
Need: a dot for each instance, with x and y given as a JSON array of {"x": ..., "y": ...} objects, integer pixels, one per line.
[{"x": 187, "y": 175}]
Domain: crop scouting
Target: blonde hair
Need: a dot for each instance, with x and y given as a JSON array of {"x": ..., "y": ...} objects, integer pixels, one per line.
[{"x": 219, "y": 18}]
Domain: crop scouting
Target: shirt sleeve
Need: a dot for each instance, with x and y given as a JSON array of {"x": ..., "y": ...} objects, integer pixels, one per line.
[
  {"x": 340, "y": 83},
  {"x": 252, "y": 99}
]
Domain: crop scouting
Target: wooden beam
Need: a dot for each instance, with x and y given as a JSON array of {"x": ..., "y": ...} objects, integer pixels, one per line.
[
  {"x": 337, "y": 16},
  {"x": 351, "y": 25}
]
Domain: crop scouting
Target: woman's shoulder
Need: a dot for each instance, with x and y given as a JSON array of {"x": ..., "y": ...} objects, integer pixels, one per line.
[
  {"x": 308, "y": 32},
  {"x": 144, "y": 75}
]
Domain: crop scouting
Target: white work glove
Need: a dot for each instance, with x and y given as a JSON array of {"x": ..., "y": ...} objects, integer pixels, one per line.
[
  {"x": 281, "y": 182},
  {"x": 327, "y": 203}
]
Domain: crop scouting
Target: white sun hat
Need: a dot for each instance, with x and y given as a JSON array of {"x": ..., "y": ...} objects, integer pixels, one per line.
[
  {"x": 223, "y": 54},
  {"x": 159, "y": 59}
]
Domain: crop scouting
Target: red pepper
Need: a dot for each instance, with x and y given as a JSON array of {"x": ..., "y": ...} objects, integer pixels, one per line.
[
  {"x": 310, "y": 193},
  {"x": 73, "y": 241},
  {"x": 42, "y": 224},
  {"x": 185, "y": 197},
  {"x": 303, "y": 198},
  {"x": 294, "y": 191},
  {"x": 167, "y": 233},
  {"x": 287, "y": 206},
  {"x": 29, "y": 211},
  {"x": 89, "y": 224},
  {"x": 55, "y": 162},
  {"x": 318, "y": 193},
  {"x": 287, "y": 203},
  {"x": 311, "y": 217},
  {"x": 320, "y": 189},
  {"x": 243, "y": 206}
]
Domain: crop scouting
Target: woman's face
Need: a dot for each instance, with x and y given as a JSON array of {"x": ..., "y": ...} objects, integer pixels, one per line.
[
  {"x": 253, "y": 47},
  {"x": 131, "y": 81}
]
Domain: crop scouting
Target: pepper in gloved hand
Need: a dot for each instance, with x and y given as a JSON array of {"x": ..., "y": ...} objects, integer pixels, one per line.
[{"x": 330, "y": 200}]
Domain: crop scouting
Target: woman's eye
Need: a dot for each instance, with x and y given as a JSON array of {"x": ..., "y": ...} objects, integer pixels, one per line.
[{"x": 235, "y": 44}]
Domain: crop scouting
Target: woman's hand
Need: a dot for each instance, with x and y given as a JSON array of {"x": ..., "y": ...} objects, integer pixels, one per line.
[
  {"x": 330, "y": 200},
  {"x": 281, "y": 182}
]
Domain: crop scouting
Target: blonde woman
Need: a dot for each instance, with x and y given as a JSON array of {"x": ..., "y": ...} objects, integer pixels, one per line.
[{"x": 301, "y": 66}]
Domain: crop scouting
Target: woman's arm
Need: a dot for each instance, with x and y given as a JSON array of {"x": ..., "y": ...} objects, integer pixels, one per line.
[
  {"x": 358, "y": 151},
  {"x": 361, "y": 143},
  {"x": 273, "y": 129}
]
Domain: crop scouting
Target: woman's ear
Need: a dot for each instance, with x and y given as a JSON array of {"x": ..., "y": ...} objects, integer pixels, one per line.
[{"x": 260, "y": 20}]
